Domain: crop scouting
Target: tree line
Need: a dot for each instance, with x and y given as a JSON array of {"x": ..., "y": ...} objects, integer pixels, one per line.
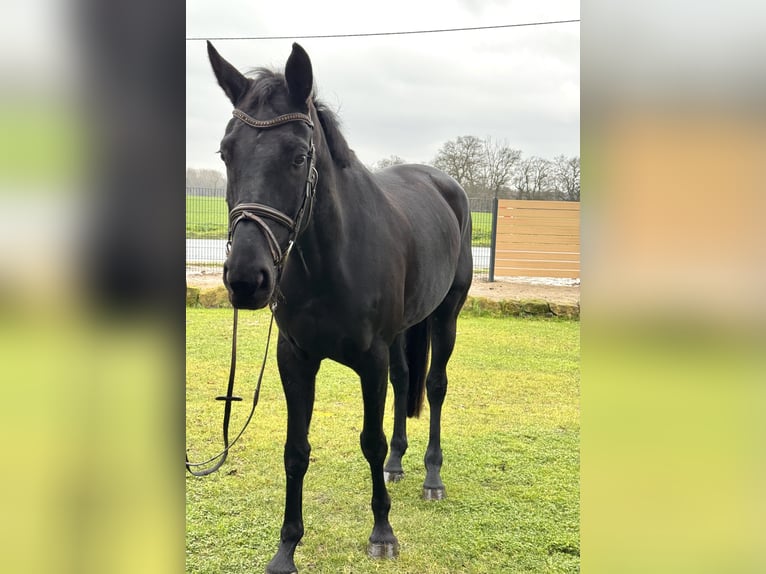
[
  {"x": 484, "y": 167},
  {"x": 206, "y": 181},
  {"x": 488, "y": 168}
]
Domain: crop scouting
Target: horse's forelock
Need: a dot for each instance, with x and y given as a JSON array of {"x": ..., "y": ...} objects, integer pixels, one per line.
[{"x": 264, "y": 84}]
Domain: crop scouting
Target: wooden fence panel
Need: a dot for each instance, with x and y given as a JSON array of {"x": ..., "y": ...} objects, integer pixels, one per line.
[{"x": 537, "y": 239}]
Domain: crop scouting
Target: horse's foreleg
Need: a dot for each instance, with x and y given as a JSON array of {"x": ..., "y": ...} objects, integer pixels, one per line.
[
  {"x": 373, "y": 371},
  {"x": 298, "y": 375},
  {"x": 393, "y": 471}
]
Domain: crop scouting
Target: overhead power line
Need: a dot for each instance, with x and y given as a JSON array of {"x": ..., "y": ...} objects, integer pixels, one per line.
[{"x": 401, "y": 33}]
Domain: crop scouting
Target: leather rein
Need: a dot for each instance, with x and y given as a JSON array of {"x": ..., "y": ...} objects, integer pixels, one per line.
[{"x": 257, "y": 213}]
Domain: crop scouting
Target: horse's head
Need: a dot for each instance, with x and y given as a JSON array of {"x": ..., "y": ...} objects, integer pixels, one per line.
[{"x": 268, "y": 152}]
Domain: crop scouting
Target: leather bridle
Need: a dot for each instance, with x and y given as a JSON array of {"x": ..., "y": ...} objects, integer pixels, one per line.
[{"x": 257, "y": 212}]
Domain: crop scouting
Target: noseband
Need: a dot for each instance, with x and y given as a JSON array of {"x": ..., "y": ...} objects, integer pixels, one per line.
[{"x": 257, "y": 212}]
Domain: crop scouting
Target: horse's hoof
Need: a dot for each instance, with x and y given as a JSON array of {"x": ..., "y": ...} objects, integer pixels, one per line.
[
  {"x": 434, "y": 493},
  {"x": 383, "y": 549},
  {"x": 281, "y": 565},
  {"x": 394, "y": 476}
]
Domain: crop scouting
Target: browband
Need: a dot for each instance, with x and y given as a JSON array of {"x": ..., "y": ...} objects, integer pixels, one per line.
[{"x": 283, "y": 119}]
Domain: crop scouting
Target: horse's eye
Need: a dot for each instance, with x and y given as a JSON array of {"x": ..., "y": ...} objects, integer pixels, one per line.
[
  {"x": 222, "y": 156},
  {"x": 299, "y": 160}
]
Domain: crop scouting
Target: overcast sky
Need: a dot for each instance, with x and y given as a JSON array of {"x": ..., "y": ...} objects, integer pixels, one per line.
[{"x": 402, "y": 95}]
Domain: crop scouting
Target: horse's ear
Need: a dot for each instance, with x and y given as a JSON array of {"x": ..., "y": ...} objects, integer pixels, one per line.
[
  {"x": 299, "y": 76},
  {"x": 234, "y": 84}
]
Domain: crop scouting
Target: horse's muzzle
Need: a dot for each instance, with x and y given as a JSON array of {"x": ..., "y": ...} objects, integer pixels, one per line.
[{"x": 251, "y": 289}]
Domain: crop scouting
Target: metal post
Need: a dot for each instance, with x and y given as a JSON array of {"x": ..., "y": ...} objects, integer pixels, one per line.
[{"x": 493, "y": 241}]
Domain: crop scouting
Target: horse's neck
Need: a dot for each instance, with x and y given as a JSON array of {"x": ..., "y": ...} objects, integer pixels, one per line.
[{"x": 341, "y": 206}]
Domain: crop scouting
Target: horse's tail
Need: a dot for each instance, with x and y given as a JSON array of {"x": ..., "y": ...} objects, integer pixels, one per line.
[{"x": 417, "y": 346}]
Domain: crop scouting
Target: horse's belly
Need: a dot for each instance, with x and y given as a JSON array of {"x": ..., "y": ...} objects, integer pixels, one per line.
[{"x": 429, "y": 279}]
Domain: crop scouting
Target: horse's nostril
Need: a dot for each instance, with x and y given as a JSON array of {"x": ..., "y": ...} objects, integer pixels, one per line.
[
  {"x": 243, "y": 288},
  {"x": 251, "y": 290},
  {"x": 247, "y": 286}
]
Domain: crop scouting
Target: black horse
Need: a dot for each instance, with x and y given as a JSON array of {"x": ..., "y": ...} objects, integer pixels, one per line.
[{"x": 369, "y": 270}]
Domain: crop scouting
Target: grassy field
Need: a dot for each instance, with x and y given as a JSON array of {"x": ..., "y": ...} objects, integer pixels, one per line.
[
  {"x": 511, "y": 458},
  {"x": 206, "y": 219}
]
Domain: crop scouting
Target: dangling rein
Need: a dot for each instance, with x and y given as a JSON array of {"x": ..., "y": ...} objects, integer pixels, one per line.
[
  {"x": 228, "y": 399},
  {"x": 254, "y": 212}
]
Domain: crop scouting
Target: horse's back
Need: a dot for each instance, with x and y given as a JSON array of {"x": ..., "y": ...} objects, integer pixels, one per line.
[{"x": 409, "y": 182}]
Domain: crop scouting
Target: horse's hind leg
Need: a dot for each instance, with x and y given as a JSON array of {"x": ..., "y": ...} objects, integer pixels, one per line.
[
  {"x": 298, "y": 375},
  {"x": 393, "y": 470},
  {"x": 444, "y": 329}
]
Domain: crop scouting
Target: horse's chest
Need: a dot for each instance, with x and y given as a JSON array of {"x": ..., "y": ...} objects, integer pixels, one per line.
[{"x": 327, "y": 331}]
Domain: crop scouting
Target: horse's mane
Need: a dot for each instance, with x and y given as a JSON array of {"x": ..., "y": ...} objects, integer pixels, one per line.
[
  {"x": 267, "y": 84},
  {"x": 341, "y": 154}
]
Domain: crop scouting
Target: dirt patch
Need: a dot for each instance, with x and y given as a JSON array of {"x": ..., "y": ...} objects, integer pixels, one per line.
[
  {"x": 500, "y": 290},
  {"x": 204, "y": 279},
  {"x": 509, "y": 290}
]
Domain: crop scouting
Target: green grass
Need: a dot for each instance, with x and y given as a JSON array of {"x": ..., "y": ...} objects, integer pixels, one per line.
[
  {"x": 481, "y": 229},
  {"x": 206, "y": 219},
  {"x": 511, "y": 458}
]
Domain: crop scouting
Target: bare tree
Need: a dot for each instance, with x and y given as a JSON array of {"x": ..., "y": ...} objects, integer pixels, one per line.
[
  {"x": 567, "y": 177},
  {"x": 498, "y": 165},
  {"x": 205, "y": 178},
  {"x": 542, "y": 180},
  {"x": 462, "y": 159},
  {"x": 532, "y": 179},
  {"x": 483, "y": 167},
  {"x": 387, "y": 162},
  {"x": 489, "y": 168},
  {"x": 522, "y": 179}
]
